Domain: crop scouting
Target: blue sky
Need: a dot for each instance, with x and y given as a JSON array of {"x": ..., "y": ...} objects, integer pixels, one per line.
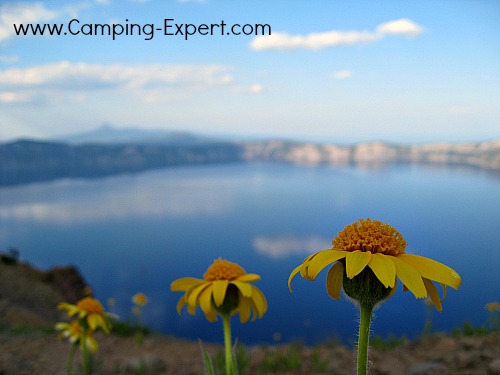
[{"x": 331, "y": 71}]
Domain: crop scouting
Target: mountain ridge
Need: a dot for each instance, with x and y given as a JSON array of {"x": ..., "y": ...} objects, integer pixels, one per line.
[
  {"x": 107, "y": 133},
  {"x": 25, "y": 160}
]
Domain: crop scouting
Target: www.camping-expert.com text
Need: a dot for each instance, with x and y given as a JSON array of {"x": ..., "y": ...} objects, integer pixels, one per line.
[{"x": 148, "y": 31}]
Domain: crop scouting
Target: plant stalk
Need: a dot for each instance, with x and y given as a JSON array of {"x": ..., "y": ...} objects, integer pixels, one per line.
[
  {"x": 364, "y": 338},
  {"x": 226, "y": 317},
  {"x": 69, "y": 365},
  {"x": 85, "y": 356}
]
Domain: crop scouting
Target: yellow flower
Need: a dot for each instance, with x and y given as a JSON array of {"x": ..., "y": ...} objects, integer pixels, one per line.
[
  {"x": 74, "y": 332},
  {"x": 140, "y": 299},
  {"x": 225, "y": 284},
  {"x": 492, "y": 306},
  {"x": 91, "y": 311},
  {"x": 381, "y": 248}
]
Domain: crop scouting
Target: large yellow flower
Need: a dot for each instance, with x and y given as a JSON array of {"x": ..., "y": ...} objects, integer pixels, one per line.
[
  {"x": 74, "y": 332},
  {"x": 381, "y": 248},
  {"x": 91, "y": 311},
  {"x": 225, "y": 286}
]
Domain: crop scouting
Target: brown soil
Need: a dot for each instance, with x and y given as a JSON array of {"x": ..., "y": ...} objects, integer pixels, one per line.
[{"x": 42, "y": 353}]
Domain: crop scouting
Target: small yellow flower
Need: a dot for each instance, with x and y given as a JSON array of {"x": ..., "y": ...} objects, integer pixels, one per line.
[
  {"x": 91, "y": 311},
  {"x": 224, "y": 284},
  {"x": 74, "y": 332},
  {"x": 140, "y": 299},
  {"x": 492, "y": 306},
  {"x": 381, "y": 248}
]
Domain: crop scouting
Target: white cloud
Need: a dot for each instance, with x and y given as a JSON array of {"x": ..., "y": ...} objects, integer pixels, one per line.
[
  {"x": 334, "y": 38},
  {"x": 13, "y": 97},
  {"x": 342, "y": 74},
  {"x": 65, "y": 77},
  {"x": 286, "y": 245},
  {"x": 255, "y": 88},
  {"x": 402, "y": 26},
  {"x": 15, "y": 13}
]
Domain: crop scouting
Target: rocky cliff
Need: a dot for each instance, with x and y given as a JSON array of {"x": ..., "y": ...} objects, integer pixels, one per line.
[
  {"x": 27, "y": 161},
  {"x": 484, "y": 155}
]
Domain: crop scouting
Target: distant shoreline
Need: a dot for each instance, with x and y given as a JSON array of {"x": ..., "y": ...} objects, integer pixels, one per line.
[{"x": 26, "y": 161}]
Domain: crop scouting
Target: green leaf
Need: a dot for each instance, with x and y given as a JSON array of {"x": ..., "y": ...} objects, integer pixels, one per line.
[{"x": 207, "y": 361}]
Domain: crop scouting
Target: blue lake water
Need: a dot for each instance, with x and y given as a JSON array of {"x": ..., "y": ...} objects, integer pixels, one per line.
[{"x": 140, "y": 232}]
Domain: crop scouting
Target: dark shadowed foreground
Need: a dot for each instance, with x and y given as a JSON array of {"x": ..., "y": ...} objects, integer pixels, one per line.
[{"x": 42, "y": 353}]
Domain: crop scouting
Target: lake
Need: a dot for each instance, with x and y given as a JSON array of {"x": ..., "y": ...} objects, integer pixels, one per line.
[{"x": 140, "y": 232}]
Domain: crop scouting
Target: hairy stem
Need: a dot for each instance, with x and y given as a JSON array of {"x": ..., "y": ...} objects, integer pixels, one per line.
[
  {"x": 227, "y": 342},
  {"x": 364, "y": 338}
]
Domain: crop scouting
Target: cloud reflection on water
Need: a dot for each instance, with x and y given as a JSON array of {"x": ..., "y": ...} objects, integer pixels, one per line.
[
  {"x": 282, "y": 246},
  {"x": 120, "y": 200}
]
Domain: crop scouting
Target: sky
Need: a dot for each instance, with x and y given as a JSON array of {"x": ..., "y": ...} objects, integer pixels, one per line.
[{"x": 321, "y": 71}]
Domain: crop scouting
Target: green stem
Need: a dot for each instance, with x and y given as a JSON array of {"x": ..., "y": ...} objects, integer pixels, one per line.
[
  {"x": 227, "y": 342},
  {"x": 85, "y": 357},
  {"x": 364, "y": 337},
  {"x": 69, "y": 365}
]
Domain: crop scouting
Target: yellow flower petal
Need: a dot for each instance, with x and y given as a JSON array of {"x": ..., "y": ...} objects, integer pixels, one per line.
[
  {"x": 356, "y": 261},
  {"x": 334, "y": 280},
  {"x": 184, "y": 284},
  {"x": 305, "y": 265},
  {"x": 191, "y": 309},
  {"x": 70, "y": 309},
  {"x": 248, "y": 277},
  {"x": 254, "y": 310},
  {"x": 292, "y": 275},
  {"x": 91, "y": 344},
  {"x": 384, "y": 269},
  {"x": 193, "y": 294},
  {"x": 180, "y": 304},
  {"x": 93, "y": 321},
  {"x": 219, "y": 288},
  {"x": 244, "y": 309},
  {"x": 444, "y": 291},
  {"x": 245, "y": 289},
  {"x": 432, "y": 270},
  {"x": 431, "y": 289},
  {"x": 323, "y": 259},
  {"x": 206, "y": 305},
  {"x": 259, "y": 301},
  {"x": 410, "y": 277}
]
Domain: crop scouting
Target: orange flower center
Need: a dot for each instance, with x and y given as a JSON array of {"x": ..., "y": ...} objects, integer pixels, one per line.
[
  {"x": 75, "y": 328},
  {"x": 140, "y": 299},
  {"x": 223, "y": 270},
  {"x": 91, "y": 305},
  {"x": 370, "y": 235}
]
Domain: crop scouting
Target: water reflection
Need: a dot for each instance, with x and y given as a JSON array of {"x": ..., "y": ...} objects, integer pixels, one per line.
[
  {"x": 117, "y": 199},
  {"x": 285, "y": 245},
  {"x": 131, "y": 233}
]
